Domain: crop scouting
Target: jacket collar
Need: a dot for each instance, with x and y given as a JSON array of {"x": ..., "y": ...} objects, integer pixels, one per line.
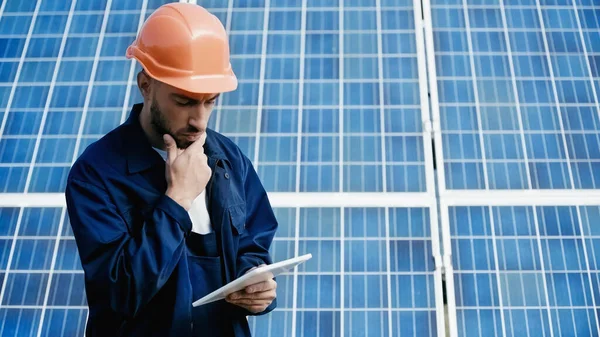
[{"x": 141, "y": 155}]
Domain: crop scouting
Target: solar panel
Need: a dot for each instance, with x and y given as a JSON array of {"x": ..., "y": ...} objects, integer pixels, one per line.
[
  {"x": 333, "y": 109},
  {"x": 518, "y": 98},
  {"x": 525, "y": 271},
  {"x": 515, "y": 101},
  {"x": 329, "y": 100}
]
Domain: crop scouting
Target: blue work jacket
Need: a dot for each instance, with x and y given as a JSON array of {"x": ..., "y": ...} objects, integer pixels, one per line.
[{"x": 141, "y": 276}]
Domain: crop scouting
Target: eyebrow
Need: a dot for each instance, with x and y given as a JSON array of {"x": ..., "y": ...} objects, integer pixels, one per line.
[{"x": 192, "y": 99}]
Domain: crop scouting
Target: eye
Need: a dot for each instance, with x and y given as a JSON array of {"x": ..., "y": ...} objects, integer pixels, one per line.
[{"x": 183, "y": 103}]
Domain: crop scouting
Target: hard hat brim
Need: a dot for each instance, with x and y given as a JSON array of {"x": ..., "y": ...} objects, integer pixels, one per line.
[{"x": 200, "y": 84}]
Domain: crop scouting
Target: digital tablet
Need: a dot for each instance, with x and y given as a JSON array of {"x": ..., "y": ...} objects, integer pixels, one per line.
[{"x": 257, "y": 275}]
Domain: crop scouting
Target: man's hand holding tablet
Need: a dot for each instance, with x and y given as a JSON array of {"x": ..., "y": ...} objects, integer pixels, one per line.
[{"x": 256, "y": 297}]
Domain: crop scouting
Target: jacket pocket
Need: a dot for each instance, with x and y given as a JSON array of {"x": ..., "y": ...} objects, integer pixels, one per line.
[
  {"x": 237, "y": 217},
  {"x": 205, "y": 274}
]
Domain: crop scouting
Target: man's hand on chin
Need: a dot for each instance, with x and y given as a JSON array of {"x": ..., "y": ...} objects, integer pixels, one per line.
[{"x": 255, "y": 298}]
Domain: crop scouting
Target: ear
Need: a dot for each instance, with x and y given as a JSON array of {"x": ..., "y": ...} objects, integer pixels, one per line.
[{"x": 144, "y": 84}]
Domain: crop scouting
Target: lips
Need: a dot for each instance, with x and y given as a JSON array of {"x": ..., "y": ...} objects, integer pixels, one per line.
[{"x": 192, "y": 136}]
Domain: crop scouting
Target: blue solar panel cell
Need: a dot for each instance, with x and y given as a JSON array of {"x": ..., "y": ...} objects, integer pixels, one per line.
[
  {"x": 246, "y": 44},
  {"x": 49, "y": 179},
  {"x": 91, "y": 5},
  {"x": 11, "y": 47},
  {"x": 322, "y": 3},
  {"x": 20, "y": 6},
  {"x": 357, "y": 20},
  {"x": 284, "y": 20},
  {"x": 397, "y": 19},
  {"x": 43, "y": 47},
  {"x": 32, "y": 254},
  {"x": 282, "y": 68},
  {"x": 321, "y": 68},
  {"x": 22, "y": 123},
  {"x": 360, "y": 68},
  {"x": 278, "y": 149},
  {"x": 69, "y": 96},
  {"x": 320, "y": 121},
  {"x": 104, "y": 96},
  {"x": 99, "y": 122},
  {"x": 247, "y": 21},
  {"x": 86, "y": 23},
  {"x": 320, "y": 149},
  {"x": 54, "y": 323},
  {"x": 321, "y": 93},
  {"x": 40, "y": 221},
  {"x": 249, "y": 3},
  {"x": 400, "y": 67},
  {"x": 122, "y": 23},
  {"x": 245, "y": 95},
  {"x": 16, "y": 150},
  {"x": 56, "y": 151},
  {"x": 360, "y": 43},
  {"x": 4, "y": 253},
  {"x": 8, "y": 220},
  {"x": 15, "y": 25},
  {"x": 284, "y": 44},
  {"x": 321, "y": 43},
  {"x": 322, "y": 20},
  {"x": 246, "y": 68},
  {"x": 67, "y": 257},
  {"x": 273, "y": 121},
  {"x": 33, "y": 71},
  {"x": 50, "y": 24},
  {"x": 280, "y": 94},
  {"x": 24, "y": 289},
  {"x": 80, "y": 47},
  {"x": 67, "y": 290},
  {"x": 115, "y": 45},
  {"x": 127, "y": 5}
]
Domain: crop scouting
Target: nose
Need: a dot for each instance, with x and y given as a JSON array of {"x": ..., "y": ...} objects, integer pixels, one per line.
[{"x": 198, "y": 118}]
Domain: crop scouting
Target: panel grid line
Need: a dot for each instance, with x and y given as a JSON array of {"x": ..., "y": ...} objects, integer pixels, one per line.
[
  {"x": 475, "y": 94},
  {"x": 21, "y": 60},
  {"x": 341, "y": 72},
  {"x": 382, "y": 126},
  {"x": 18, "y": 226},
  {"x": 303, "y": 24},
  {"x": 261, "y": 86},
  {"x": 516, "y": 94},
  {"x": 543, "y": 270},
  {"x": 588, "y": 269},
  {"x": 228, "y": 32},
  {"x": 555, "y": 92},
  {"x": 132, "y": 65},
  {"x": 592, "y": 83},
  {"x": 44, "y": 116}
]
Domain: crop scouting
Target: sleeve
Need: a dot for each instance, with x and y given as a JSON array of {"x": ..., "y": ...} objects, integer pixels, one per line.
[
  {"x": 129, "y": 270},
  {"x": 261, "y": 226}
]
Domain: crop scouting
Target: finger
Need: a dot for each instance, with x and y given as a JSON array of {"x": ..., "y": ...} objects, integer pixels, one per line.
[
  {"x": 171, "y": 147},
  {"x": 252, "y": 303},
  {"x": 198, "y": 145},
  {"x": 262, "y": 286},
  {"x": 254, "y": 309},
  {"x": 265, "y": 295}
]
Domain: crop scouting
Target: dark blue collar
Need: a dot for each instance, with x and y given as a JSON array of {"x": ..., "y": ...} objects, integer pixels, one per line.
[{"x": 141, "y": 155}]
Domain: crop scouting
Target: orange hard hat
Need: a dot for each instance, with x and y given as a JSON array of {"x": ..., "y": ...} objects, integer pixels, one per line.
[{"x": 185, "y": 46}]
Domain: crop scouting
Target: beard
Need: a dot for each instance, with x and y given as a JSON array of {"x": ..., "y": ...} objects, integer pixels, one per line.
[{"x": 161, "y": 125}]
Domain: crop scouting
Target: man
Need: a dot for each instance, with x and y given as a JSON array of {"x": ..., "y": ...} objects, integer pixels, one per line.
[{"x": 164, "y": 210}]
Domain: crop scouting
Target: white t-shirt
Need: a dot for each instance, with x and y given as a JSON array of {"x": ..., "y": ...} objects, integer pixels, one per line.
[{"x": 199, "y": 211}]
